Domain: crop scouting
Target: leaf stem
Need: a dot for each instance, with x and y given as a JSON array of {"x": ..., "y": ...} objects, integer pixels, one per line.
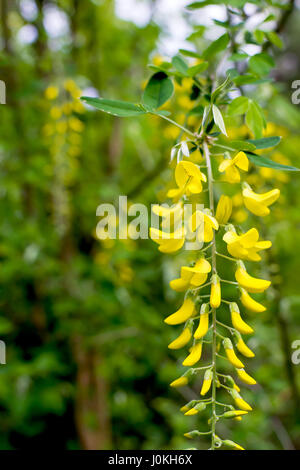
[{"x": 187, "y": 131}]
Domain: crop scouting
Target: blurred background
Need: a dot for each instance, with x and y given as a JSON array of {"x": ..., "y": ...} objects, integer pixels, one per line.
[{"x": 87, "y": 364}]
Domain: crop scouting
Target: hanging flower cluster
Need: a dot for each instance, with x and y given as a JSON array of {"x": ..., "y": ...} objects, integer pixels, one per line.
[
  {"x": 211, "y": 322},
  {"x": 200, "y": 318}
]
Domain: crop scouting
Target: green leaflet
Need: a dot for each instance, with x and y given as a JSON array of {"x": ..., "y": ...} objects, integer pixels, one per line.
[
  {"x": 218, "y": 118},
  {"x": 255, "y": 119},
  {"x": 266, "y": 162},
  {"x": 238, "y": 106},
  {"x": 195, "y": 69},
  {"x": 265, "y": 142},
  {"x": 217, "y": 46},
  {"x": 158, "y": 90},
  {"x": 180, "y": 65},
  {"x": 192, "y": 54},
  {"x": 261, "y": 64},
  {"x": 242, "y": 145},
  {"x": 115, "y": 107}
]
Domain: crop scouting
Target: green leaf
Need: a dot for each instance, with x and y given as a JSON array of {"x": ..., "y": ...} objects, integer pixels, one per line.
[
  {"x": 180, "y": 65},
  {"x": 115, "y": 107},
  {"x": 196, "y": 69},
  {"x": 162, "y": 112},
  {"x": 218, "y": 118},
  {"x": 242, "y": 145},
  {"x": 265, "y": 142},
  {"x": 158, "y": 90},
  {"x": 254, "y": 119},
  {"x": 238, "y": 56},
  {"x": 238, "y": 106},
  {"x": 221, "y": 89},
  {"x": 266, "y": 162},
  {"x": 197, "y": 5},
  {"x": 187, "y": 53},
  {"x": 163, "y": 67},
  {"x": 217, "y": 46},
  {"x": 259, "y": 36},
  {"x": 270, "y": 17},
  {"x": 198, "y": 33},
  {"x": 249, "y": 80},
  {"x": 261, "y": 64},
  {"x": 246, "y": 79},
  {"x": 275, "y": 39}
]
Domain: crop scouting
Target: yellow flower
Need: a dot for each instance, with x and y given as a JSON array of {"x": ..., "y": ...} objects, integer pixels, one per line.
[
  {"x": 237, "y": 321},
  {"x": 188, "y": 178},
  {"x": 203, "y": 323},
  {"x": 246, "y": 378},
  {"x": 194, "y": 356},
  {"x": 168, "y": 242},
  {"x": 234, "y": 413},
  {"x": 76, "y": 125},
  {"x": 181, "y": 382},
  {"x": 233, "y": 359},
  {"x": 195, "y": 410},
  {"x": 242, "y": 347},
  {"x": 224, "y": 209},
  {"x": 205, "y": 224},
  {"x": 51, "y": 93},
  {"x": 55, "y": 112},
  {"x": 171, "y": 216},
  {"x": 182, "y": 339},
  {"x": 183, "y": 314},
  {"x": 67, "y": 108},
  {"x": 206, "y": 382},
  {"x": 61, "y": 127},
  {"x": 259, "y": 204},
  {"x": 245, "y": 246},
  {"x": 251, "y": 284},
  {"x": 250, "y": 303},
  {"x": 191, "y": 277},
  {"x": 240, "y": 403},
  {"x": 230, "y": 166},
  {"x": 72, "y": 88},
  {"x": 215, "y": 293},
  {"x": 232, "y": 445},
  {"x": 191, "y": 412}
]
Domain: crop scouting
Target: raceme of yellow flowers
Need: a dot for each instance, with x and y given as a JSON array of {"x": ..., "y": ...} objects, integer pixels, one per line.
[
  {"x": 63, "y": 134},
  {"x": 197, "y": 321}
]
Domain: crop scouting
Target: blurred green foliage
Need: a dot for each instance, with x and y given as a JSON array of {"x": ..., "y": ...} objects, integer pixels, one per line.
[{"x": 87, "y": 359}]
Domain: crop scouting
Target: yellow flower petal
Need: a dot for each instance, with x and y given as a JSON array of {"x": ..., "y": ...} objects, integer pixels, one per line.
[
  {"x": 243, "y": 348},
  {"x": 241, "y": 161},
  {"x": 231, "y": 354},
  {"x": 232, "y": 175},
  {"x": 206, "y": 382},
  {"x": 203, "y": 323},
  {"x": 250, "y": 303},
  {"x": 182, "y": 339},
  {"x": 224, "y": 209},
  {"x": 246, "y": 378},
  {"x": 181, "y": 382},
  {"x": 194, "y": 356},
  {"x": 183, "y": 314},
  {"x": 215, "y": 293},
  {"x": 251, "y": 284},
  {"x": 237, "y": 320},
  {"x": 179, "y": 285}
]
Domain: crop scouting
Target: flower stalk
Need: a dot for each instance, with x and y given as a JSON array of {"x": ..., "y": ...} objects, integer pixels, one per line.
[{"x": 214, "y": 311}]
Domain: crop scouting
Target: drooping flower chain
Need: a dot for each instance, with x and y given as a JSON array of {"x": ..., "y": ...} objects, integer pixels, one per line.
[{"x": 199, "y": 312}]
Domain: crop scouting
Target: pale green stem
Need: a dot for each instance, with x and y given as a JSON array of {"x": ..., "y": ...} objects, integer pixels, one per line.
[
  {"x": 214, "y": 313},
  {"x": 187, "y": 131}
]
